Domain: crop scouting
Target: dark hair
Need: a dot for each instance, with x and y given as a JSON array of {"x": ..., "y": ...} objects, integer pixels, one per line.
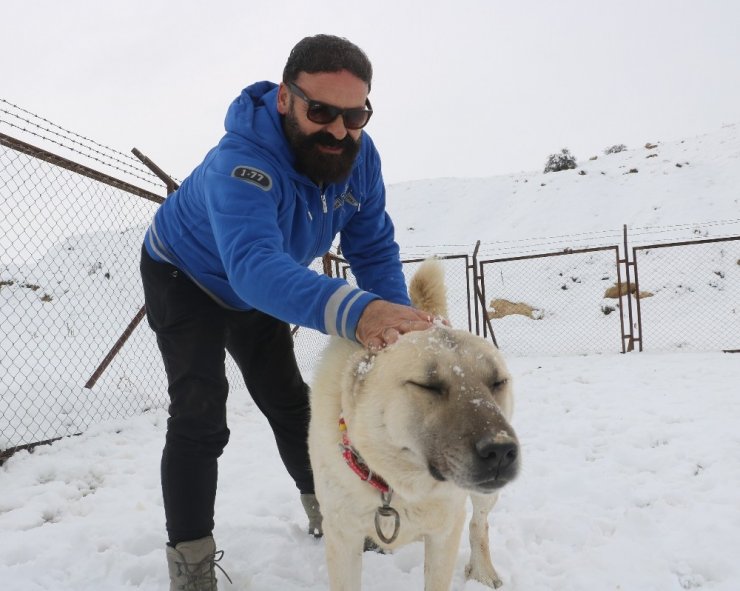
[{"x": 327, "y": 53}]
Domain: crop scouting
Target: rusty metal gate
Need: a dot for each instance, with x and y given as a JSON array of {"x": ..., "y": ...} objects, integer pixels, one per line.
[
  {"x": 688, "y": 295},
  {"x": 554, "y": 303}
]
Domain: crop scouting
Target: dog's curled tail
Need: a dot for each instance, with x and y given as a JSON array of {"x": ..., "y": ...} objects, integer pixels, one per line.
[{"x": 427, "y": 288}]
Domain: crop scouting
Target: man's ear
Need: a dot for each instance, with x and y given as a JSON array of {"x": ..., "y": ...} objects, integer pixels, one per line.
[{"x": 283, "y": 99}]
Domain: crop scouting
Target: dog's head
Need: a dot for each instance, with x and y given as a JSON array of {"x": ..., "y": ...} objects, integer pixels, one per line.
[{"x": 438, "y": 403}]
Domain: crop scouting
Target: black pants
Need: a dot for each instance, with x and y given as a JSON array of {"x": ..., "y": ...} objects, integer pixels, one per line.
[{"x": 193, "y": 334}]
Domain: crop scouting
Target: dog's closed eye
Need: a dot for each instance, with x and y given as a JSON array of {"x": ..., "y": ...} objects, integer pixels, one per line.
[
  {"x": 431, "y": 387},
  {"x": 499, "y": 384}
]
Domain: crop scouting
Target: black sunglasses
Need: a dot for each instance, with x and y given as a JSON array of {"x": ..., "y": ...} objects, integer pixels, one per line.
[{"x": 324, "y": 114}]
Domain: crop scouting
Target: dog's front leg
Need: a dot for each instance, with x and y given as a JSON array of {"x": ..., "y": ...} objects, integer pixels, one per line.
[
  {"x": 343, "y": 557},
  {"x": 440, "y": 554},
  {"x": 480, "y": 568}
]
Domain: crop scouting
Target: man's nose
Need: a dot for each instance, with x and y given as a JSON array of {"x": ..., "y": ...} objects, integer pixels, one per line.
[{"x": 337, "y": 128}]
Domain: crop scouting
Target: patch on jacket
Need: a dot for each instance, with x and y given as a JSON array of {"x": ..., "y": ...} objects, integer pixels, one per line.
[
  {"x": 254, "y": 176},
  {"x": 345, "y": 197}
]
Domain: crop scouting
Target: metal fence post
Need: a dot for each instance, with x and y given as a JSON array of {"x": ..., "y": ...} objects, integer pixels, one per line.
[{"x": 630, "y": 337}]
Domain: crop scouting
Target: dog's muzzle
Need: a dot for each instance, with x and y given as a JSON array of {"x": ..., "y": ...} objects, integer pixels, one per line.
[{"x": 492, "y": 463}]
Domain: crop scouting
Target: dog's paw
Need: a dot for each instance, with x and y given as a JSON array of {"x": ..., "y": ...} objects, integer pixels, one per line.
[{"x": 486, "y": 576}]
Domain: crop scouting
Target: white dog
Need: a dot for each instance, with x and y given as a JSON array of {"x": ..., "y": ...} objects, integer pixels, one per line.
[{"x": 399, "y": 439}]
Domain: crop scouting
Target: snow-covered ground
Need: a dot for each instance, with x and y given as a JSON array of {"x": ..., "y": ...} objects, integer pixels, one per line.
[
  {"x": 631, "y": 463},
  {"x": 631, "y": 472}
]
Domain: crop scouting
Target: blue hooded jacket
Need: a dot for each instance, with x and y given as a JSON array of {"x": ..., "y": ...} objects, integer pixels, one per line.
[{"x": 244, "y": 226}]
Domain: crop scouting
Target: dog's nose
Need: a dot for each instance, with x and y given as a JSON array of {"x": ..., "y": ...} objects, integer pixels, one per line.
[{"x": 499, "y": 454}]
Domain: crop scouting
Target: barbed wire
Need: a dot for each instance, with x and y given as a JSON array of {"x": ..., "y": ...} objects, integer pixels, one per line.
[
  {"x": 595, "y": 238},
  {"x": 683, "y": 226},
  {"x": 127, "y": 170},
  {"x": 122, "y": 162},
  {"x": 72, "y": 133}
]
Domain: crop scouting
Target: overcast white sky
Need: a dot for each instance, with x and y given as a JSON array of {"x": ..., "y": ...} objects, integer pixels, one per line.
[{"x": 462, "y": 88}]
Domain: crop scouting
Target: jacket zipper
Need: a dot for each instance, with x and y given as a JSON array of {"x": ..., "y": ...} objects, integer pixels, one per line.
[{"x": 324, "y": 222}]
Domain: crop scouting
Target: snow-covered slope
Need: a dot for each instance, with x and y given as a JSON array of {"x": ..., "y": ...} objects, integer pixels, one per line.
[{"x": 683, "y": 182}]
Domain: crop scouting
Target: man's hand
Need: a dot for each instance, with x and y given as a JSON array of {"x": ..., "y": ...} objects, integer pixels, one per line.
[{"x": 382, "y": 322}]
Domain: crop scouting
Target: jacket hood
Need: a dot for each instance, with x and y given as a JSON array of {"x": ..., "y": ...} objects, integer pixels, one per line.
[{"x": 253, "y": 116}]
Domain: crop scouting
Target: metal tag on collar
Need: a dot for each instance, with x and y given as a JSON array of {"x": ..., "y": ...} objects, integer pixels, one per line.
[{"x": 387, "y": 511}]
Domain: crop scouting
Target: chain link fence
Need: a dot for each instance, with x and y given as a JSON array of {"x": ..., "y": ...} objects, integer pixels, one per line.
[
  {"x": 70, "y": 239},
  {"x": 66, "y": 292},
  {"x": 554, "y": 303},
  {"x": 688, "y": 295}
]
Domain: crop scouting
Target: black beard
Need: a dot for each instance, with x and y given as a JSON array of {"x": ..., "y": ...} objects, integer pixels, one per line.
[{"x": 320, "y": 167}]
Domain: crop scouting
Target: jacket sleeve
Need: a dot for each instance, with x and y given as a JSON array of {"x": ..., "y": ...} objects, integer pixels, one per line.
[
  {"x": 368, "y": 241},
  {"x": 244, "y": 218}
]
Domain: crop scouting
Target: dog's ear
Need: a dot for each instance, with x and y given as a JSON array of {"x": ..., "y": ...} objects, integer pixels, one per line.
[{"x": 427, "y": 288}]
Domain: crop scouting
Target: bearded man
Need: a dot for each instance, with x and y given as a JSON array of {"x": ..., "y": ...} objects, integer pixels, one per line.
[{"x": 224, "y": 268}]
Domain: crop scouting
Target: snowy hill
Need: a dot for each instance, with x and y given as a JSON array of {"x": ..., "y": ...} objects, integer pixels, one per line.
[{"x": 684, "y": 182}]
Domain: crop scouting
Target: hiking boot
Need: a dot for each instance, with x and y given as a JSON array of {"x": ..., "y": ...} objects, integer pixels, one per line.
[
  {"x": 313, "y": 512},
  {"x": 192, "y": 565}
]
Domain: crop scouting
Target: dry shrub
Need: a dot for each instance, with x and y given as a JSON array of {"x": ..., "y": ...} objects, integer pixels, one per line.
[{"x": 563, "y": 161}]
